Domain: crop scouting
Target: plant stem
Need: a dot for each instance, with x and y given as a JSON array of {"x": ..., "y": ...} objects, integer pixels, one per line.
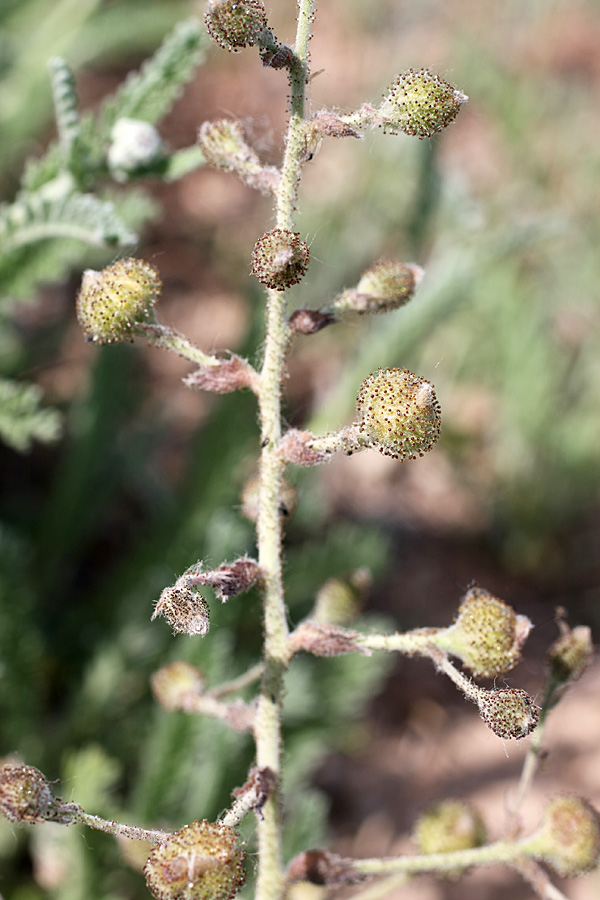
[
  {"x": 499, "y": 852},
  {"x": 153, "y": 836},
  {"x": 267, "y": 729},
  {"x": 169, "y": 339}
]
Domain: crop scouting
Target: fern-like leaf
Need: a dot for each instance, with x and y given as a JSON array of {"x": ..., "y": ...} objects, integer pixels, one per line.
[
  {"x": 149, "y": 94},
  {"x": 36, "y": 217},
  {"x": 65, "y": 106},
  {"x": 22, "y": 420}
]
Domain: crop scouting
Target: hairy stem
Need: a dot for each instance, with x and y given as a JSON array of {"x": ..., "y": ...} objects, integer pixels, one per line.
[{"x": 267, "y": 729}]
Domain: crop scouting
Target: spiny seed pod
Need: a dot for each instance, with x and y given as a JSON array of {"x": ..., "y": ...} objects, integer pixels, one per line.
[
  {"x": 184, "y": 609},
  {"x": 399, "y": 413},
  {"x": 510, "y": 713},
  {"x": 384, "y": 287},
  {"x": 234, "y": 24},
  {"x": 202, "y": 861},
  {"x": 449, "y": 826},
  {"x": 568, "y": 839},
  {"x": 113, "y": 301},
  {"x": 487, "y": 635},
  {"x": 26, "y": 796},
  {"x": 420, "y": 104},
  {"x": 570, "y": 655},
  {"x": 280, "y": 259},
  {"x": 176, "y": 684}
]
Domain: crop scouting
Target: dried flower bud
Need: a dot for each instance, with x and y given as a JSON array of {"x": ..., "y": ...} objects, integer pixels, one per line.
[
  {"x": 184, "y": 609},
  {"x": 177, "y": 685},
  {"x": 487, "y": 635},
  {"x": 570, "y": 655},
  {"x": 399, "y": 413},
  {"x": 234, "y": 24},
  {"x": 420, "y": 103},
  {"x": 202, "y": 861},
  {"x": 288, "y": 498},
  {"x": 229, "y": 579},
  {"x": 231, "y": 374},
  {"x": 135, "y": 146},
  {"x": 279, "y": 58},
  {"x": 280, "y": 259},
  {"x": 325, "y": 640},
  {"x": 323, "y": 867},
  {"x": 384, "y": 287},
  {"x": 309, "y": 321},
  {"x": 224, "y": 145},
  {"x": 297, "y": 447},
  {"x": 327, "y": 124},
  {"x": 449, "y": 826},
  {"x": 26, "y": 796},
  {"x": 510, "y": 713},
  {"x": 113, "y": 301},
  {"x": 340, "y": 600},
  {"x": 568, "y": 839}
]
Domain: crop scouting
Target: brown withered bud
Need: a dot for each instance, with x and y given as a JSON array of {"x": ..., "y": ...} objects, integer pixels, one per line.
[
  {"x": 328, "y": 124},
  {"x": 262, "y": 781},
  {"x": 309, "y": 321},
  {"x": 229, "y": 579},
  {"x": 231, "y": 374},
  {"x": 26, "y": 796},
  {"x": 296, "y": 448},
  {"x": 323, "y": 867},
  {"x": 184, "y": 608},
  {"x": 280, "y": 259},
  {"x": 509, "y": 713},
  {"x": 202, "y": 861},
  {"x": 280, "y": 58},
  {"x": 325, "y": 640},
  {"x": 177, "y": 685}
]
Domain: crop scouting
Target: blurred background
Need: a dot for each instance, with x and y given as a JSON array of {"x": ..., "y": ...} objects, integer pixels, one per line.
[{"x": 145, "y": 477}]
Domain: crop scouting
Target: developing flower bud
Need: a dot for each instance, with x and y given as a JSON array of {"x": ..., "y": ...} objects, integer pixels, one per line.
[
  {"x": 570, "y": 655},
  {"x": 202, "y": 861},
  {"x": 280, "y": 259},
  {"x": 510, "y": 713},
  {"x": 111, "y": 302},
  {"x": 399, "y": 413},
  {"x": 234, "y": 24},
  {"x": 229, "y": 579},
  {"x": 177, "y": 684},
  {"x": 420, "y": 103},
  {"x": 224, "y": 145},
  {"x": 568, "y": 840},
  {"x": 26, "y": 796},
  {"x": 184, "y": 609},
  {"x": 382, "y": 288},
  {"x": 487, "y": 635},
  {"x": 449, "y": 826}
]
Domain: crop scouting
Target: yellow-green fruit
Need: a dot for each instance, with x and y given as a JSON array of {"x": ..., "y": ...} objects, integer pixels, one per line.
[
  {"x": 234, "y": 24},
  {"x": 510, "y": 713},
  {"x": 398, "y": 413},
  {"x": 386, "y": 286},
  {"x": 280, "y": 259},
  {"x": 568, "y": 839},
  {"x": 113, "y": 301},
  {"x": 570, "y": 655},
  {"x": 449, "y": 826},
  {"x": 202, "y": 861},
  {"x": 487, "y": 635},
  {"x": 25, "y": 794},
  {"x": 420, "y": 103}
]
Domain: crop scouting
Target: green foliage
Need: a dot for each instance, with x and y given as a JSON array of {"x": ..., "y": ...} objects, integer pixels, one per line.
[{"x": 22, "y": 418}]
